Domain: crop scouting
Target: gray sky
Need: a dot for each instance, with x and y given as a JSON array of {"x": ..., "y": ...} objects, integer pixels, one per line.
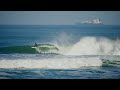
[{"x": 56, "y": 17}]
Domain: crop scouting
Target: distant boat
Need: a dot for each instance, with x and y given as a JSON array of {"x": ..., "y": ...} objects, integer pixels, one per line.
[{"x": 93, "y": 22}]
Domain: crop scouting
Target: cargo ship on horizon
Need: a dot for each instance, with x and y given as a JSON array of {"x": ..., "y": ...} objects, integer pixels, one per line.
[{"x": 94, "y": 22}]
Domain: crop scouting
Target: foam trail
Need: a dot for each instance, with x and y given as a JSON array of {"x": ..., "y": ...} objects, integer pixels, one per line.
[
  {"x": 95, "y": 46},
  {"x": 64, "y": 63}
]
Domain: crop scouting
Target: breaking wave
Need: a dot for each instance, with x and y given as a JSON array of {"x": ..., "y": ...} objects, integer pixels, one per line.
[
  {"x": 51, "y": 63},
  {"x": 86, "y": 46},
  {"x": 41, "y": 48},
  {"x": 57, "y": 61},
  {"x": 95, "y": 46}
]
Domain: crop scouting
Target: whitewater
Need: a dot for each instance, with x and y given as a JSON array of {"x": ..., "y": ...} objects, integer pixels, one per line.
[{"x": 95, "y": 46}]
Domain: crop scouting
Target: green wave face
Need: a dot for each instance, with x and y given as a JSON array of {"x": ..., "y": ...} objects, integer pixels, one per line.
[
  {"x": 111, "y": 63},
  {"x": 46, "y": 48},
  {"x": 42, "y": 48},
  {"x": 18, "y": 49}
]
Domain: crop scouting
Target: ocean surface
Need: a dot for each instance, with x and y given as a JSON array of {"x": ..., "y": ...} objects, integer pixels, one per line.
[{"x": 62, "y": 52}]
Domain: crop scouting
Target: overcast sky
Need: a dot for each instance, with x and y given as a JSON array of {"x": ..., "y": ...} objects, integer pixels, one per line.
[{"x": 56, "y": 17}]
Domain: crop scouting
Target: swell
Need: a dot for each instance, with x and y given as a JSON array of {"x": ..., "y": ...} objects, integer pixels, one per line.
[
  {"x": 41, "y": 48},
  {"x": 18, "y": 49},
  {"x": 107, "y": 62}
]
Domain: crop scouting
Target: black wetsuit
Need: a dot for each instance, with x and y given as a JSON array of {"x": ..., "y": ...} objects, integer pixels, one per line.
[{"x": 35, "y": 44}]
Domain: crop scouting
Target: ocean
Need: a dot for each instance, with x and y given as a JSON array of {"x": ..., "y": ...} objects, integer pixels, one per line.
[{"x": 59, "y": 52}]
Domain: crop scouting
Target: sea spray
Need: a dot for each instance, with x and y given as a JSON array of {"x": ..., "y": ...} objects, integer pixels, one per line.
[
  {"x": 64, "y": 42},
  {"x": 95, "y": 46}
]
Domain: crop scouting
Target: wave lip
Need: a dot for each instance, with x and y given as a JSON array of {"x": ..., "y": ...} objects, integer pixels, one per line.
[
  {"x": 46, "y": 48},
  {"x": 56, "y": 63}
]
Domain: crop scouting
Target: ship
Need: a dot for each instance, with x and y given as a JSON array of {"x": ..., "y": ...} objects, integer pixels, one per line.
[{"x": 94, "y": 22}]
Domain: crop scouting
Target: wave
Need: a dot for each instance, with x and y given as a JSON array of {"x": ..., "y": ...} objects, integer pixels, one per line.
[
  {"x": 48, "y": 61},
  {"x": 51, "y": 63},
  {"x": 17, "y": 49},
  {"x": 95, "y": 46},
  {"x": 41, "y": 48},
  {"x": 86, "y": 46},
  {"x": 109, "y": 62},
  {"x": 46, "y": 48}
]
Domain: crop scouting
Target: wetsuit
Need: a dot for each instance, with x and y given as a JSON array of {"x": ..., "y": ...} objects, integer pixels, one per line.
[{"x": 35, "y": 44}]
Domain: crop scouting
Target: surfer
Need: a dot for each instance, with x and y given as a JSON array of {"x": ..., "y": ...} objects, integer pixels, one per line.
[{"x": 35, "y": 45}]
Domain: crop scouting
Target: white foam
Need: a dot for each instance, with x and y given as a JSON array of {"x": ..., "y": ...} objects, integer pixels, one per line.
[
  {"x": 64, "y": 63},
  {"x": 95, "y": 46}
]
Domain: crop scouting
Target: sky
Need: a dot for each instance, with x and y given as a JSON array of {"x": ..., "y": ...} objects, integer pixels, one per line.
[{"x": 57, "y": 17}]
